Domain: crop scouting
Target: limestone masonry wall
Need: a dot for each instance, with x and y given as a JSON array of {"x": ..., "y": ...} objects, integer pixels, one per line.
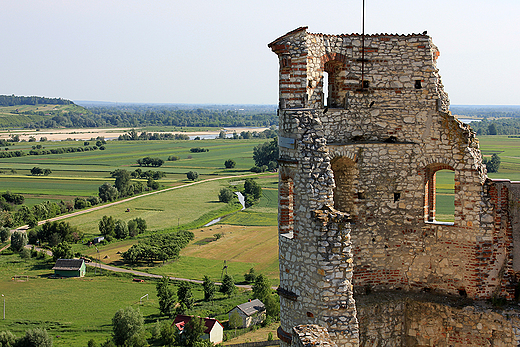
[{"x": 359, "y": 153}]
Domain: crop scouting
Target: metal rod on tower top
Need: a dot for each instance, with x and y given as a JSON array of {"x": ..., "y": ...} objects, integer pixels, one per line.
[{"x": 363, "y": 49}]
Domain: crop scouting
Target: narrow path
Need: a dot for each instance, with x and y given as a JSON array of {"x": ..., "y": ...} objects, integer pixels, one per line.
[{"x": 102, "y": 266}]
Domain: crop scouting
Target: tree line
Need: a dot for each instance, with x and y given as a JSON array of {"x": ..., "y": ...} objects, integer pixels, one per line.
[
  {"x": 139, "y": 116},
  {"x": 12, "y": 100}
]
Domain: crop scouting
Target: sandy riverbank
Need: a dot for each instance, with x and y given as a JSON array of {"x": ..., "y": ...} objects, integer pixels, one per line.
[{"x": 107, "y": 133}]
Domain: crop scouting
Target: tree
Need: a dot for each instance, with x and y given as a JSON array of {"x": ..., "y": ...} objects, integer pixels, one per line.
[
  {"x": 169, "y": 335},
  {"x": 18, "y": 241},
  {"x": 193, "y": 331},
  {"x": 228, "y": 286},
  {"x": 5, "y": 233},
  {"x": 492, "y": 129},
  {"x": 266, "y": 152},
  {"x": 226, "y": 195},
  {"x": 120, "y": 229},
  {"x": 122, "y": 181},
  {"x": 132, "y": 228},
  {"x": 107, "y": 226},
  {"x": 185, "y": 295},
  {"x": 107, "y": 192},
  {"x": 209, "y": 288},
  {"x": 251, "y": 276},
  {"x": 272, "y": 306},
  {"x": 35, "y": 171},
  {"x": 80, "y": 203},
  {"x": 7, "y": 339},
  {"x": 252, "y": 191},
  {"x": 92, "y": 343},
  {"x": 229, "y": 164},
  {"x": 35, "y": 338},
  {"x": 141, "y": 224},
  {"x": 128, "y": 326},
  {"x": 235, "y": 321},
  {"x": 192, "y": 175},
  {"x": 47, "y": 172},
  {"x": 493, "y": 164},
  {"x": 261, "y": 288},
  {"x": 166, "y": 296},
  {"x": 62, "y": 250}
]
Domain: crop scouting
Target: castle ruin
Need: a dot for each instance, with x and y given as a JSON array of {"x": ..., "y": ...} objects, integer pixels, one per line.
[{"x": 364, "y": 128}]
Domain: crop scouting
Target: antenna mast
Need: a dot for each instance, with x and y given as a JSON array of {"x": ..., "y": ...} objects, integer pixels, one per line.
[{"x": 363, "y": 49}]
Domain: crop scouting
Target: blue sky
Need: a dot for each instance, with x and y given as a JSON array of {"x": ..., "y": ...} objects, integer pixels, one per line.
[{"x": 199, "y": 51}]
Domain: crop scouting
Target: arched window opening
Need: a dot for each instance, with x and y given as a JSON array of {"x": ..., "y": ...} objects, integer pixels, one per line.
[
  {"x": 439, "y": 204},
  {"x": 333, "y": 83},
  {"x": 345, "y": 178}
]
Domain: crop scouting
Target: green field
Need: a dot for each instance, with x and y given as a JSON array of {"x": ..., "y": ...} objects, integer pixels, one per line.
[
  {"x": 75, "y": 310},
  {"x": 80, "y": 309}
]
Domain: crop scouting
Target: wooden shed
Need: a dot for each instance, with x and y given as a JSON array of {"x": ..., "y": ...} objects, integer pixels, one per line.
[{"x": 70, "y": 268}]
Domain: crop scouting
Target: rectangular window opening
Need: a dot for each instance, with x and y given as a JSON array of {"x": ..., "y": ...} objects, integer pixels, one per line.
[{"x": 397, "y": 197}]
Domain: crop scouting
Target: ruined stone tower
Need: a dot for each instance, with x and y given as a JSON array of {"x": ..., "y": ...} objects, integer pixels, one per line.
[{"x": 357, "y": 195}]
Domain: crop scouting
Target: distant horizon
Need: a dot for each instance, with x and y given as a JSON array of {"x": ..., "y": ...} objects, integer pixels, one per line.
[{"x": 243, "y": 104}]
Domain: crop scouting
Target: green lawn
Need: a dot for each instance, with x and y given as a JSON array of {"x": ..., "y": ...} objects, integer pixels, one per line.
[
  {"x": 162, "y": 210},
  {"x": 75, "y": 310}
]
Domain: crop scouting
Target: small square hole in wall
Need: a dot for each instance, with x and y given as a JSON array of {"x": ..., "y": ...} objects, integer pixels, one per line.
[
  {"x": 361, "y": 195},
  {"x": 366, "y": 84},
  {"x": 397, "y": 197},
  {"x": 418, "y": 84}
]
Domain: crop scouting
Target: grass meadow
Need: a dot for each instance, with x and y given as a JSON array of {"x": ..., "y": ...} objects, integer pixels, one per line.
[
  {"x": 80, "y": 309},
  {"x": 74, "y": 310}
]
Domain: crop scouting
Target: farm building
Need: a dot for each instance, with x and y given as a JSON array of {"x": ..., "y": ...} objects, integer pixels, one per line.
[
  {"x": 70, "y": 268},
  {"x": 251, "y": 312},
  {"x": 214, "y": 330}
]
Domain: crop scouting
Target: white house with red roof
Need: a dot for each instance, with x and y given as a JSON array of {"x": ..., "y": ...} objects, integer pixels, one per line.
[{"x": 214, "y": 330}]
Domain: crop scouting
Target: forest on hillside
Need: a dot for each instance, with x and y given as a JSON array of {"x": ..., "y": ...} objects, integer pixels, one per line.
[{"x": 13, "y": 100}]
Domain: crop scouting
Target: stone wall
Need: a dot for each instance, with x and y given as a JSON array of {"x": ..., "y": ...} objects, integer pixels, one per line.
[
  {"x": 394, "y": 319},
  {"x": 357, "y": 205}
]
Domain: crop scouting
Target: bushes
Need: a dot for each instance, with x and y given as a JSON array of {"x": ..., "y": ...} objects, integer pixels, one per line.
[
  {"x": 192, "y": 175},
  {"x": 108, "y": 226},
  {"x": 198, "y": 150},
  {"x": 158, "y": 247},
  {"x": 229, "y": 164},
  {"x": 226, "y": 195},
  {"x": 147, "y": 161}
]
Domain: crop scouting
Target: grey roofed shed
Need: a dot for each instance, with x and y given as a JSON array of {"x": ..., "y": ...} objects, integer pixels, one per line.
[{"x": 70, "y": 268}]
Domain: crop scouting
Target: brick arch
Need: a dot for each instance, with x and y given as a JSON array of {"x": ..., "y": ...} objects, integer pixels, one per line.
[
  {"x": 449, "y": 162},
  {"x": 333, "y": 56},
  {"x": 334, "y": 64},
  {"x": 335, "y": 152}
]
